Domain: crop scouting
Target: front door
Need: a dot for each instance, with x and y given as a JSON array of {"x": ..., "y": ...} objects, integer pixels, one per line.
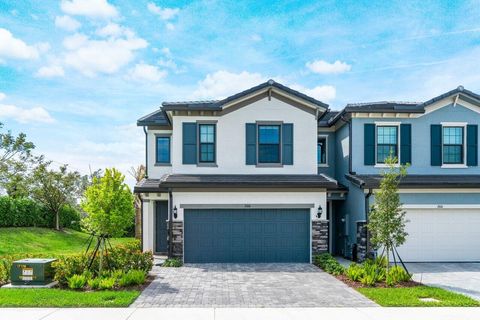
[{"x": 161, "y": 216}]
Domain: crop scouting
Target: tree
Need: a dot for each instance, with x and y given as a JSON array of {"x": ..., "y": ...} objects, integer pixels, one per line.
[
  {"x": 138, "y": 174},
  {"x": 387, "y": 219},
  {"x": 108, "y": 203},
  {"x": 16, "y": 161},
  {"x": 55, "y": 188}
]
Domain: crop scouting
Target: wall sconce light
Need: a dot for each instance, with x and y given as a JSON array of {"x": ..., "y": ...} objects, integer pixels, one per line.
[
  {"x": 175, "y": 212},
  {"x": 319, "y": 212}
]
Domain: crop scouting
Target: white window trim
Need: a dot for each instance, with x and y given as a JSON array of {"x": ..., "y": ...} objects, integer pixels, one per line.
[
  {"x": 323, "y": 165},
  {"x": 456, "y": 165},
  {"x": 387, "y": 124}
]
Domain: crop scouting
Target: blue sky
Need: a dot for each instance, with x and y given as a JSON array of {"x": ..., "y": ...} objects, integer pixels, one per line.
[{"x": 76, "y": 74}]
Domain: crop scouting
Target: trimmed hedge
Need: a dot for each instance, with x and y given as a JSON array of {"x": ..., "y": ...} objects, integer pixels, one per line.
[{"x": 24, "y": 212}]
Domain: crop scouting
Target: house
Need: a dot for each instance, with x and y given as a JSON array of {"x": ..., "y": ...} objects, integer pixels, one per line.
[{"x": 273, "y": 175}]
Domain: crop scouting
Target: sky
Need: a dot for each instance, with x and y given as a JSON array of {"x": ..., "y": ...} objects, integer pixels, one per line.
[{"x": 75, "y": 75}]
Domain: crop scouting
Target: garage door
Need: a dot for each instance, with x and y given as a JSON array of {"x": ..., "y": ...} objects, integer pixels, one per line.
[
  {"x": 442, "y": 235},
  {"x": 246, "y": 235}
]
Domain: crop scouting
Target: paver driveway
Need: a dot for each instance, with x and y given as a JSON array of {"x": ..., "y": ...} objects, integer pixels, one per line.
[
  {"x": 459, "y": 277},
  {"x": 248, "y": 285}
]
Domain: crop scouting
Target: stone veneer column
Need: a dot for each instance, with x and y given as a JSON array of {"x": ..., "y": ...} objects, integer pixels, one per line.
[
  {"x": 319, "y": 236},
  {"x": 177, "y": 237},
  {"x": 362, "y": 234}
]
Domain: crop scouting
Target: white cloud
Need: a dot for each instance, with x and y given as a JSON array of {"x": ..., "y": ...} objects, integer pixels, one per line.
[
  {"x": 323, "y": 93},
  {"x": 146, "y": 73},
  {"x": 14, "y": 48},
  {"x": 99, "y": 9},
  {"x": 50, "y": 72},
  {"x": 25, "y": 115},
  {"x": 2, "y": 96},
  {"x": 256, "y": 38},
  {"x": 163, "y": 13},
  {"x": 101, "y": 56},
  {"x": 170, "y": 26},
  {"x": 222, "y": 84},
  {"x": 114, "y": 30},
  {"x": 67, "y": 23},
  {"x": 324, "y": 67},
  {"x": 166, "y": 51}
]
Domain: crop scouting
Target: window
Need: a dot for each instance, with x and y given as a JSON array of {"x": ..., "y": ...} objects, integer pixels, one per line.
[
  {"x": 387, "y": 142},
  {"x": 269, "y": 144},
  {"x": 163, "y": 150},
  {"x": 322, "y": 151},
  {"x": 453, "y": 145},
  {"x": 206, "y": 143}
]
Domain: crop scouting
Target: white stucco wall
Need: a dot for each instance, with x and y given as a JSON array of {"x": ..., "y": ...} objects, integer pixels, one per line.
[{"x": 231, "y": 141}]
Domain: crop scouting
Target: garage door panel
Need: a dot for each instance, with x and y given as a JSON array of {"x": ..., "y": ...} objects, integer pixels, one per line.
[
  {"x": 442, "y": 235},
  {"x": 246, "y": 235}
]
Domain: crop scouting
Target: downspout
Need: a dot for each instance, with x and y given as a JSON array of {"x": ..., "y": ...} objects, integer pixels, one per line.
[
  {"x": 146, "y": 151},
  {"x": 349, "y": 144},
  {"x": 141, "y": 218},
  {"x": 170, "y": 224},
  {"x": 367, "y": 211}
]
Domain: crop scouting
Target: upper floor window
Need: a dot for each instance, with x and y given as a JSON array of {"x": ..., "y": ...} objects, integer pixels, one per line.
[
  {"x": 206, "y": 143},
  {"x": 269, "y": 144},
  {"x": 322, "y": 151},
  {"x": 387, "y": 142},
  {"x": 453, "y": 145},
  {"x": 163, "y": 150}
]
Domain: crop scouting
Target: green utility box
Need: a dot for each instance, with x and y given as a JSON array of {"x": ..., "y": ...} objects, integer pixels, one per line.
[{"x": 32, "y": 272}]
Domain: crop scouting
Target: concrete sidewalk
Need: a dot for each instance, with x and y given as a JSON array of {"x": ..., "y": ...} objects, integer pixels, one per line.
[{"x": 374, "y": 313}]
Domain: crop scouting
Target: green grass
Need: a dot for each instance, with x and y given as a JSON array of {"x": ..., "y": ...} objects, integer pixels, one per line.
[
  {"x": 65, "y": 298},
  {"x": 410, "y": 297},
  {"x": 43, "y": 241}
]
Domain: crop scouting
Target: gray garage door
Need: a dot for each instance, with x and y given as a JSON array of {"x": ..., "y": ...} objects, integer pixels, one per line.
[{"x": 246, "y": 235}]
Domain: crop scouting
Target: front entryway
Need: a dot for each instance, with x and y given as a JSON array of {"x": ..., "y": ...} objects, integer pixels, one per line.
[
  {"x": 246, "y": 235},
  {"x": 248, "y": 285},
  {"x": 161, "y": 229}
]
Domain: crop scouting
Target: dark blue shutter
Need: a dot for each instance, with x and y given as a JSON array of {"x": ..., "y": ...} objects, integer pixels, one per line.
[
  {"x": 472, "y": 145},
  {"x": 405, "y": 143},
  {"x": 436, "y": 145},
  {"x": 369, "y": 144},
  {"x": 251, "y": 143},
  {"x": 287, "y": 143},
  {"x": 189, "y": 143}
]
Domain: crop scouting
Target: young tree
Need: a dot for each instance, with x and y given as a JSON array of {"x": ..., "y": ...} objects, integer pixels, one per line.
[
  {"x": 55, "y": 188},
  {"x": 108, "y": 203},
  {"x": 387, "y": 219},
  {"x": 138, "y": 174}
]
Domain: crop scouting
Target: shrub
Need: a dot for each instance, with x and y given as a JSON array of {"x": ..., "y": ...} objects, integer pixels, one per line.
[
  {"x": 355, "y": 272},
  {"x": 329, "y": 264},
  {"x": 172, "y": 262},
  {"x": 397, "y": 274},
  {"x": 94, "y": 283},
  {"x": 5, "y": 266},
  {"x": 77, "y": 281},
  {"x": 106, "y": 283},
  {"x": 68, "y": 266},
  {"x": 368, "y": 280},
  {"x": 132, "y": 278}
]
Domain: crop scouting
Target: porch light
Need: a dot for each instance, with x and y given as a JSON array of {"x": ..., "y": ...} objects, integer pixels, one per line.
[
  {"x": 319, "y": 212},
  {"x": 175, "y": 211}
]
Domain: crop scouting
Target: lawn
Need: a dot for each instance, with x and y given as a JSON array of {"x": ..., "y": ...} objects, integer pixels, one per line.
[
  {"x": 410, "y": 297},
  {"x": 43, "y": 241},
  {"x": 65, "y": 298}
]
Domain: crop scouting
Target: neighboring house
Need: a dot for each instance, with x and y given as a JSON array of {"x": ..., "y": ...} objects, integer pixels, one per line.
[{"x": 272, "y": 175}]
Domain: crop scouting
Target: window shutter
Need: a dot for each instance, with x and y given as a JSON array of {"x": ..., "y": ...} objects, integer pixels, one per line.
[
  {"x": 369, "y": 144},
  {"x": 287, "y": 143},
  {"x": 436, "y": 145},
  {"x": 189, "y": 150},
  {"x": 405, "y": 143},
  {"x": 251, "y": 143},
  {"x": 472, "y": 145}
]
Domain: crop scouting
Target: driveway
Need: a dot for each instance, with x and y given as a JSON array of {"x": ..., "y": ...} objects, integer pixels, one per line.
[
  {"x": 459, "y": 277},
  {"x": 248, "y": 285}
]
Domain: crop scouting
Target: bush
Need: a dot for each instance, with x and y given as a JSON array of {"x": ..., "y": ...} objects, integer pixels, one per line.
[
  {"x": 106, "y": 283},
  {"x": 24, "y": 212},
  {"x": 132, "y": 278},
  {"x": 355, "y": 272},
  {"x": 5, "y": 266},
  {"x": 397, "y": 274},
  {"x": 172, "y": 262},
  {"x": 329, "y": 264},
  {"x": 77, "y": 281},
  {"x": 94, "y": 283},
  {"x": 368, "y": 280},
  {"x": 69, "y": 266}
]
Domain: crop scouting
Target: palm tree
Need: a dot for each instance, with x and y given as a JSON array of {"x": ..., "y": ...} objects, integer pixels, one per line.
[{"x": 138, "y": 174}]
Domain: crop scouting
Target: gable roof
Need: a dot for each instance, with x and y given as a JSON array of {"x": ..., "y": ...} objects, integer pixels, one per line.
[
  {"x": 156, "y": 118},
  {"x": 217, "y": 105},
  {"x": 460, "y": 90}
]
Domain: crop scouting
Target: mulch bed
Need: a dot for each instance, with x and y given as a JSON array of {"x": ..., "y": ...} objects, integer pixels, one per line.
[{"x": 355, "y": 284}]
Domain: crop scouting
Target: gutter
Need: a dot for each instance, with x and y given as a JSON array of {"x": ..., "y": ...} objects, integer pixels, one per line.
[
  {"x": 146, "y": 152},
  {"x": 141, "y": 219},
  {"x": 170, "y": 224},
  {"x": 367, "y": 211}
]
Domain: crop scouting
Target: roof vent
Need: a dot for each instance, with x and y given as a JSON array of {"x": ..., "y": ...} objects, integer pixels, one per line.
[{"x": 460, "y": 88}]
